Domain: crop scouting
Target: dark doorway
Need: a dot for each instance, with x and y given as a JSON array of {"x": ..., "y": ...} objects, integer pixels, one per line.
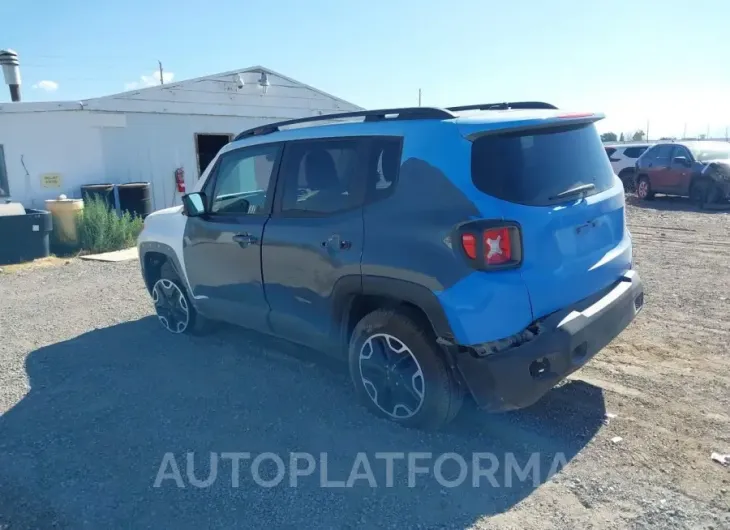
[{"x": 207, "y": 146}]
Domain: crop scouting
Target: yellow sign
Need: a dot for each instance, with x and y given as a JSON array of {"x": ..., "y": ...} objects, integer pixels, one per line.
[{"x": 51, "y": 180}]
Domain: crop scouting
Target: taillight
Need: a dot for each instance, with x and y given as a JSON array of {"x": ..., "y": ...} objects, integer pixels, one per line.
[
  {"x": 469, "y": 242},
  {"x": 497, "y": 246},
  {"x": 491, "y": 245}
]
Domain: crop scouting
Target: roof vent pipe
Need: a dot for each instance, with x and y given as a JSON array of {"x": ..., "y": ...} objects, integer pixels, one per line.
[{"x": 11, "y": 71}]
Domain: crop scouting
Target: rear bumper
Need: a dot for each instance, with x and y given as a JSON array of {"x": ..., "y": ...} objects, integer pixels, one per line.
[{"x": 519, "y": 376}]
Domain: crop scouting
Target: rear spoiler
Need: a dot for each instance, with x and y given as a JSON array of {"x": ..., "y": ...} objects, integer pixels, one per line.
[{"x": 473, "y": 130}]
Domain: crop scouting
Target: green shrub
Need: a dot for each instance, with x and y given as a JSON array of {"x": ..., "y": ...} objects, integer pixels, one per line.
[{"x": 100, "y": 229}]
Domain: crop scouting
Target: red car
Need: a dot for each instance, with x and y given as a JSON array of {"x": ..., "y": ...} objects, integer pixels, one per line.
[{"x": 699, "y": 170}]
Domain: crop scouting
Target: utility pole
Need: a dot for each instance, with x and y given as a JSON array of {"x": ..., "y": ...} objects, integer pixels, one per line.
[
  {"x": 726, "y": 139},
  {"x": 419, "y": 97},
  {"x": 162, "y": 81},
  {"x": 647, "y": 130},
  {"x": 684, "y": 131},
  {"x": 707, "y": 136}
]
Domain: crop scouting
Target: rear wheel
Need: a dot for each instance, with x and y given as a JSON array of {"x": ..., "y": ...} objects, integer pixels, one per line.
[
  {"x": 628, "y": 178},
  {"x": 643, "y": 189},
  {"x": 172, "y": 305},
  {"x": 399, "y": 371}
]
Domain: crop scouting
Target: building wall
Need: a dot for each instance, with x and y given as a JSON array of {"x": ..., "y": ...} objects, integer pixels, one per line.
[
  {"x": 67, "y": 143},
  {"x": 141, "y": 135},
  {"x": 153, "y": 146}
]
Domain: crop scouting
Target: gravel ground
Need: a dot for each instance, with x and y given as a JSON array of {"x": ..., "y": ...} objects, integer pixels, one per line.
[{"x": 93, "y": 394}]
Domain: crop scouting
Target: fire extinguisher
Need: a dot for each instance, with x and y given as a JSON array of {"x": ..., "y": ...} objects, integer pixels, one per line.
[{"x": 180, "y": 179}]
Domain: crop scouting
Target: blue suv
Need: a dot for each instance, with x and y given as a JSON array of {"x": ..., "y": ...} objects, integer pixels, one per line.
[{"x": 479, "y": 249}]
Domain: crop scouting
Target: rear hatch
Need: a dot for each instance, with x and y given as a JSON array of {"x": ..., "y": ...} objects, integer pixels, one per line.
[{"x": 554, "y": 179}]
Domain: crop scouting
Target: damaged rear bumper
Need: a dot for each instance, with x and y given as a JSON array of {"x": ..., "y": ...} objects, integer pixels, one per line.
[{"x": 519, "y": 376}]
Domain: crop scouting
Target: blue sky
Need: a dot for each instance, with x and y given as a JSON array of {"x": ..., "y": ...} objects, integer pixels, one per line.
[{"x": 635, "y": 60}]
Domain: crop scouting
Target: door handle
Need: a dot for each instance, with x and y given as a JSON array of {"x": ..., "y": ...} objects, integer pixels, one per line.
[
  {"x": 334, "y": 242},
  {"x": 245, "y": 239}
]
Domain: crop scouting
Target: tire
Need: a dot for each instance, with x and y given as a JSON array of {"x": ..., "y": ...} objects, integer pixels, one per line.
[
  {"x": 702, "y": 192},
  {"x": 173, "y": 307},
  {"x": 628, "y": 178},
  {"x": 643, "y": 189},
  {"x": 422, "y": 390}
]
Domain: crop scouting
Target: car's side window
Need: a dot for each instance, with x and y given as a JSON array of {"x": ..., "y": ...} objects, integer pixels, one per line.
[
  {"x": 383, "y": 167},
  {"x": 681, "y": 151},
  {"x": 610, "y": 151},
  {"x": 242, "y": 179},
  {"x": 634, "y": 152},
  {"x": 662, "y": 153},
  {"x": 321, "y": 176}
]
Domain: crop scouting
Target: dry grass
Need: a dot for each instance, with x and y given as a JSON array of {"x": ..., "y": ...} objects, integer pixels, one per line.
[{"x": 50, "y": 261}]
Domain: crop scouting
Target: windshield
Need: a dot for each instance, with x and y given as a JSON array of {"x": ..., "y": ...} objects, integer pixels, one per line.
[
  {"x": 538, "y": 167},
  {"x": 710, "y": 151}
]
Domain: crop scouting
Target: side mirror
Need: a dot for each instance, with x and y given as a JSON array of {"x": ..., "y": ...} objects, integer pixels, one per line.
[
  {"x": 194, "y": 204},
  {"x": 681, "y": 160}
]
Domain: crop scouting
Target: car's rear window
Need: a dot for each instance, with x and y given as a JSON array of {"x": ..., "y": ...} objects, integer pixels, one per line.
[{"x": 534, "y": 166}]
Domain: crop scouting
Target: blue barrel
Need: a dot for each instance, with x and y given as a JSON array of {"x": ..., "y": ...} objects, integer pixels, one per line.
[{"x": 25, "y": 237}]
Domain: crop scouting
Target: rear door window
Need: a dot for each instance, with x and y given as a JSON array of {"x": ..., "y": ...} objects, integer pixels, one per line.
[
  {"x": 610, "y": 150},
  {"x": 662, "y": 154},
  {"x": 321, "y": 177},
  {"x": 533, "y": 167}
]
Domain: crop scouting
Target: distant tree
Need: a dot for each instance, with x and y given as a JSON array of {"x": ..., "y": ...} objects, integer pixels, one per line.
[
  {"x": 702, "y": 136},
  {"x": 609, "y": 137},
  {"x": 621, "y": 138},
  {"x": 638, "y": 136},
  {"x": 666, "y": 138}
]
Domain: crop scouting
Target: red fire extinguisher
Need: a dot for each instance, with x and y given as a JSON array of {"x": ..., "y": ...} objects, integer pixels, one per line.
[{"x": 180, "y": 179}]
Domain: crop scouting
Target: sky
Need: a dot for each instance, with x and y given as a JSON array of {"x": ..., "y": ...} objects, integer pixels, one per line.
[{"x": 662, "y": 64}]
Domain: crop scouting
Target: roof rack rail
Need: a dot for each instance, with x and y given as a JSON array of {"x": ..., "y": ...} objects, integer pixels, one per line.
[
  {"x": 505, "y": 106},
  {"x": 405, "y": 113}
]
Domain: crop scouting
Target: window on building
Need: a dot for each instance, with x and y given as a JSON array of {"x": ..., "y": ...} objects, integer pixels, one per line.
[{"x": 4, "y": 187}]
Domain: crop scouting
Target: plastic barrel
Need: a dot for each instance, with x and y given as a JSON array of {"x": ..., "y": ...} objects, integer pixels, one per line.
[
  {"x": 135, "y": 198},
  {"x": 25, "y": 237},
  {"x": 65, "y": 214},
  {"x": 105, "y": 192}
]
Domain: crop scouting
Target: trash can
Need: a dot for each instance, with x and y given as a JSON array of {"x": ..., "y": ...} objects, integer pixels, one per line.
[
  {"x": 104, "y": 192},
  {"x": 134, "y": 198},
  {"x": 23, "y": 236},
  {"x": 65, "y": 213}
]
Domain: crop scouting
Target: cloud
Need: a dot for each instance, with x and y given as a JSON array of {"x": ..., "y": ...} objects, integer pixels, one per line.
[
  {"x": 48, "y": 86},
  {"x": 152, "y": 79}
]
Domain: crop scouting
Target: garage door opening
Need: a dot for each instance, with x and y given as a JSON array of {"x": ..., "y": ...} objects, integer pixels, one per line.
[{"x": 207, "y": 146}]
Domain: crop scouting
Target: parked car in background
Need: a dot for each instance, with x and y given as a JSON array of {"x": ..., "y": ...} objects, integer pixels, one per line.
[
  {"x": 623, "y": 159},
  {"x": 475, "y": 250},
  {"x": 699, "y": 170}
]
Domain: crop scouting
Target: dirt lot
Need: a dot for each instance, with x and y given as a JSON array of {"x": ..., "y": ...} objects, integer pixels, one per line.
[{"x": 93, "y": 394}]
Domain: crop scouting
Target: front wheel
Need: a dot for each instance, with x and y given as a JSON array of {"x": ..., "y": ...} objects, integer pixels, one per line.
[
  {"x": 173, "y": 307},
  {"x": 399, "y": 371},
  {"x": 702, "y": 192}
]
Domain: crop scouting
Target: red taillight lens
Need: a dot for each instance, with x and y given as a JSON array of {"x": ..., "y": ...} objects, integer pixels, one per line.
[
  {"x": 497, "y": 246},
  {"x": 469, "y": 242},
  {"x": 489, "y": 244}
]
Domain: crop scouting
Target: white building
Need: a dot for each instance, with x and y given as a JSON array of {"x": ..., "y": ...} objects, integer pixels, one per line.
[{"x": 143, "y": 135}]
